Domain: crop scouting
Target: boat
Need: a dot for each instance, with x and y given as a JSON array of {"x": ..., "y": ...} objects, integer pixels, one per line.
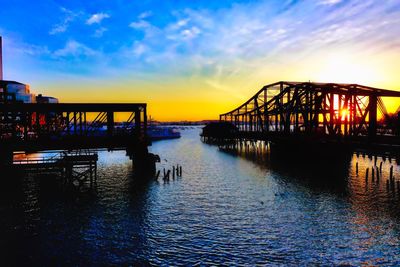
[
  {"x": 161, "y": 133},
  {"x": 158, "y": 132}
]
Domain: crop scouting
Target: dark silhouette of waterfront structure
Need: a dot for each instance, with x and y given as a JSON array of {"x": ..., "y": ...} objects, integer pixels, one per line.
[
  {"x": 313, "y": 113},
  {"x": 73, "y": 126}
]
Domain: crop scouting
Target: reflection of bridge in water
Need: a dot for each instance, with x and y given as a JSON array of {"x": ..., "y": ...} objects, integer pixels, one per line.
[
  {"x": 311, "y": 113},
  {"x": 40, "y": 127}
]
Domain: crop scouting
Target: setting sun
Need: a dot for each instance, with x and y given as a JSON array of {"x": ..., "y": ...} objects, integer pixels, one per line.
[
  {"x": 344, "y": 113},
  {"x": 347, "y": 68}
]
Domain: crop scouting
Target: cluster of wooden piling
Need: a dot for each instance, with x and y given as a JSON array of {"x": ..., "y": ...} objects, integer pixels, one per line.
[
  {"x": 390, "y": 183},
  {"x": 376, "y": 174},
  {"x": 168, "y": 173}
]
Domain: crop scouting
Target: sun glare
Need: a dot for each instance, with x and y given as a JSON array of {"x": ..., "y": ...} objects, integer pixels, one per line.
[
  {"x": 344, "y": 113},
  {"x": 344, "y": 68}
]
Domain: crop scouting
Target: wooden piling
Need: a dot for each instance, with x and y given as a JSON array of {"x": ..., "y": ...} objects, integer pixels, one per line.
[
  {"x": 380, "y": 167},
  {"x": 391, "y": 172},
  {"x": 377, "y": 173},
  {"x": 372, "y": 173}
]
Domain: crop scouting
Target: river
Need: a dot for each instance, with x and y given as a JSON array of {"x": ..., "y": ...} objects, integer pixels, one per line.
[{"x": 228, "y": 208}]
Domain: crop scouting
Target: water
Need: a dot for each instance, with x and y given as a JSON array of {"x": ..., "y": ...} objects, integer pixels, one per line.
[{"x": 228, "y": 208}]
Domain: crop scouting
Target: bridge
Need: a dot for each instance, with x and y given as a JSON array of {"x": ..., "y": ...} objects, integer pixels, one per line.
[
  {"x": 74, "y": 126},
  {"x": 313, "y": 112}
]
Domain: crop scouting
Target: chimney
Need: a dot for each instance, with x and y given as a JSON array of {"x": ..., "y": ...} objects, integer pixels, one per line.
[{"x": 1, "y": 59}]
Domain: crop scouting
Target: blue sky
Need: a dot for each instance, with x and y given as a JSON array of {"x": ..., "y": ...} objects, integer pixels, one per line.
[{"x": 150, "y": 50}]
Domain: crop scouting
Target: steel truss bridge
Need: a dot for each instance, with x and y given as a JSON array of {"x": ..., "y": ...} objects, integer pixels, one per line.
[
  {"x": 72, "y": 126},
  {"x": 321, "y": 110}
]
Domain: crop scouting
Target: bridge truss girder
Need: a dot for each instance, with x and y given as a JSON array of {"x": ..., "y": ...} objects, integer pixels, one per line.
[
  {"x": 322, "y": 108},
  {"x": 27, "y": 122}
]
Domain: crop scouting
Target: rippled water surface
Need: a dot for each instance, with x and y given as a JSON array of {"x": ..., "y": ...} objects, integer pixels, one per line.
[{"x": 230, "y": 207}]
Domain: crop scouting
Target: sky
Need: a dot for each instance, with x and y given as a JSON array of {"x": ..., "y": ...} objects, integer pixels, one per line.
[{"x": 192, "y": 60}]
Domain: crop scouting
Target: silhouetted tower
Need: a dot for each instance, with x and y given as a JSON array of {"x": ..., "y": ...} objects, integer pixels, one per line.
[{"x": 1, "y": 59}]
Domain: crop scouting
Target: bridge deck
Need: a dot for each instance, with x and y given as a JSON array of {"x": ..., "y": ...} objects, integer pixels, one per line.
[
  {"x": 56, "y": 163},
  {"x": 70, "y": 126}
]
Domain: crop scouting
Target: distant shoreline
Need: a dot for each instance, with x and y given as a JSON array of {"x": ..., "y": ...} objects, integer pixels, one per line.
[{"x": 183, "y": 123}]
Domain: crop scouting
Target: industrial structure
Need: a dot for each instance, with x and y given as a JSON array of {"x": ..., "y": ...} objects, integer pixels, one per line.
[
  {"x": 316, "y": 112},
  {"x": 39, "y": 127}
]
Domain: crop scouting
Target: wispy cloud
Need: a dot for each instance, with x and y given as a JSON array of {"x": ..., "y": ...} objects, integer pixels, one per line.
[
  {"x": 97, "y": 18},
  {"x": 69, "y": 16},
  {"x": 75, "y": 49},
  {"x": 247, "y": 38},
  {"x": 143, "y": 25},
  {"x": 178, "y": 24},
  {"x": 139, "y": 49},
  {"x": 99, "y": 32},
  {"x": 145, "y": 15},
  {"x": 231, "y": 40},
  {"x": 18, "y": 47},
  {"x": 330, "y": 2},
  {"x": 190, "y": 33},
  {"x": 253, "y": 40},
  {"x": 140, "y": 25}
]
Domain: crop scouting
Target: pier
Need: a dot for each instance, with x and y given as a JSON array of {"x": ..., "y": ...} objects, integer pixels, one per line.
[
  {"x": 36, "y": 127},
  {"x": 74, "y": 168}
]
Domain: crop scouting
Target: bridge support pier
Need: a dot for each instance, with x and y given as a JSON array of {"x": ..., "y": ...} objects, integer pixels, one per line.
[
  {"x": 144, "y": 163},
  {"x": 78, "y": 170}
]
